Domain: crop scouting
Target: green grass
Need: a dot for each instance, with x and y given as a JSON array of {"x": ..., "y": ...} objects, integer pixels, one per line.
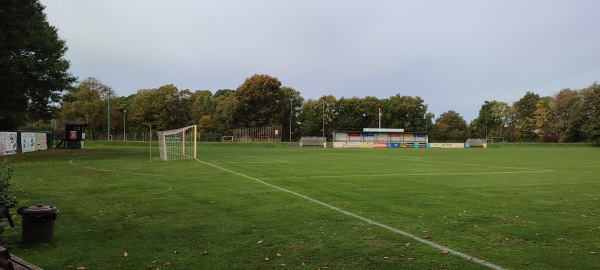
[{"x": 522, "y": 206}]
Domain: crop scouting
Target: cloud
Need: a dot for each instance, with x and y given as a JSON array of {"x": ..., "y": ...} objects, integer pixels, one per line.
[{"x": 453, "y": 54}]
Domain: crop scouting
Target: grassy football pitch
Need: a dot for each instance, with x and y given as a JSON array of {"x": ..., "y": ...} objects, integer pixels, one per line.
[{"x": 267, "y": 206}]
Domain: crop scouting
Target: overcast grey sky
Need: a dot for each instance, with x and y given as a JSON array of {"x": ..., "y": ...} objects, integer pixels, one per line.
[{"x": 453, "y": 54}]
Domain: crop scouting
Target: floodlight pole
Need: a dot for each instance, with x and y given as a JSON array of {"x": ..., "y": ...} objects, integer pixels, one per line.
[
  {"x": 323, "y": 117},
  {"x": 108, "y": 138},
  {"x": 291, "y": 119},
  {"x": 124, "y": 134},
  {"x": 379, "y": 118},
  {"x": 486, "y": 120}
]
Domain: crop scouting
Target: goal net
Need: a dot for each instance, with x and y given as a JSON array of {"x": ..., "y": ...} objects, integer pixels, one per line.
[{"x": 177, "y": 144}]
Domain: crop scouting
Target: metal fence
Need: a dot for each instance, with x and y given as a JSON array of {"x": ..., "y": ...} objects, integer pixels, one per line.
[{"x": 259, "y": 134}]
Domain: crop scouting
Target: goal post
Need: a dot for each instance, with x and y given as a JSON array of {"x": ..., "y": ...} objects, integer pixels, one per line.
[{"x": 178, "y": 143}]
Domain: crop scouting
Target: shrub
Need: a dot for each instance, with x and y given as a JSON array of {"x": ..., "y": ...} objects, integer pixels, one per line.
[{"x": 7, "y": 200}]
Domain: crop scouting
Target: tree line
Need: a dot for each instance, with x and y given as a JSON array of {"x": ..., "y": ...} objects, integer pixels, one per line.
[
  {"x": 36, "y": 87},
  {"x": 568, "y": 116}
]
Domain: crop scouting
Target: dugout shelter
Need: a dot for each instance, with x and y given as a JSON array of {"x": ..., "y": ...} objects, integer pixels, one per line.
[
  {"x": 74, "y": 134},
  {"x": 380, "y": 138}
]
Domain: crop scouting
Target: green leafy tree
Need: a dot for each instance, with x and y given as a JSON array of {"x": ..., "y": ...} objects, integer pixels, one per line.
[
  {"x": 163, "y": 108},
  {"x": 545, "y": 121},
  {"x": 499, "y": 116},
  {"x": 7, "y": 200},
  {"x": 450, "y": 127},
  {"x": 351, "y": 114},
  {"x": 224, "y": 113},
  {"x": 567, "y": 107},
  {"x": 223, "y": 93},
  {"x": 525, "y": 122},
  {"x": 404, "y": 112},
  {"x": 491, "y": 121},
  {"x": 295, "y": 104},
  {"x": 202, "y": 103},
  {"x": 261, "y": 102},
  {"x": 88, "y": 101},
  {"x": 33, "y": 72},
  {"x": 591, "y": 110},
  {"x": 317, "y": 114}
]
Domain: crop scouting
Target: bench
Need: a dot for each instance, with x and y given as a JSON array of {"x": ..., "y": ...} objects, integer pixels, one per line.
[{"x": 12, "y": 262}]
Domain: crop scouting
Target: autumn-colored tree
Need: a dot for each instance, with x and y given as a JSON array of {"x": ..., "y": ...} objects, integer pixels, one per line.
[
  {"x": 567, "y": 107},
  {"x": 261, "y": 102},
  {"x": 544, "y": 120},
  {"x": 88, "y": 101},
  {"x": 591, "y": 110},
  {"x": 525, "y": 122}
]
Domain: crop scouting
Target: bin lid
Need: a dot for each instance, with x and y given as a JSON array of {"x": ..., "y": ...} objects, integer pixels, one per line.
[{"x": 38, "y": 209}]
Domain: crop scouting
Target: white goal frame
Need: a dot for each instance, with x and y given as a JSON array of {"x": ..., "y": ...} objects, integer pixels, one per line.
[{"x": 178, "y": 143}]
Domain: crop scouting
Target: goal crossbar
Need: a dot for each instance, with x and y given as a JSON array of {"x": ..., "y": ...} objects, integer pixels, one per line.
[{"x": 178, "y": 143}]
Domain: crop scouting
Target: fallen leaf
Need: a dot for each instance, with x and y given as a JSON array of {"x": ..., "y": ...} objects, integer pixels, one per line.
[
  {"x": 266, "y": 259},
  {"x": 278, "y": 254},
  {"x": 154, "y": 261},
  {"x": 125, "y": 254},
  {"x": 149, "y": 266},
  {"x": 385, "y": 258},
  {"x": 204, "y": 253},
  {"x": 426, "y": 237},
  {"x": 260, "y": 241},
  {"x": 167, "y": 264},
  {"x": 81, "y": 268},
  {"x": 445, "y": 252}
]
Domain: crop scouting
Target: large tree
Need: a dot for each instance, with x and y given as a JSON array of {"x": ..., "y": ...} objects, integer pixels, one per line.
[
  {"x": 33, "y": 72},
  {"x": 88, "y": 101},
  {"x": 525, "y": 122},
  {"x": 317, "y": 114},
  {"x": 164, "y": 108},
  {"x": 591, "y": 109},
  {"x": 261, "y": 102},
  {"x": 409, "y": 113},
  {"x": 295, "y": 100},
  {"x": 450, "y": 127},
  {"x": 567, "y": 108},
  {"x": 545, "y": 120}
]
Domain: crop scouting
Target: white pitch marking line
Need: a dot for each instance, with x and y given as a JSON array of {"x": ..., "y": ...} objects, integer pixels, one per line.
[{"x": 416, "y": 238}]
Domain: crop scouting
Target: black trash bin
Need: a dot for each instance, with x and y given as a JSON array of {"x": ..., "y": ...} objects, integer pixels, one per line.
[{"x": 38, "y": 223}]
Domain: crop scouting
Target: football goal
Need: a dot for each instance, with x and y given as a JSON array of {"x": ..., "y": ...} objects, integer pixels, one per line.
[{"x": 178, "y": 143}]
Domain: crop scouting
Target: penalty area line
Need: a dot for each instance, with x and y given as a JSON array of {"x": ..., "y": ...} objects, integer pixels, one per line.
[{"x": 369, "y": 221}]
